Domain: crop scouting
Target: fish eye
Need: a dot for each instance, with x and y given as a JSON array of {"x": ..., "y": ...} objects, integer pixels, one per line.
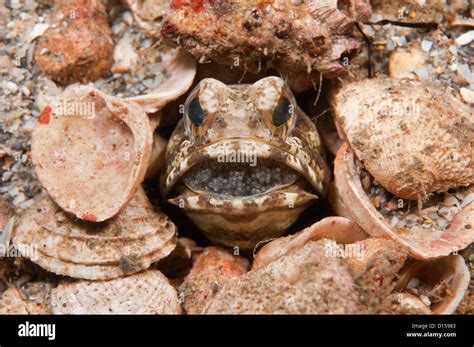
[
  {"x": 282, "y": 112},
  {"x": 195, "y": 112}
]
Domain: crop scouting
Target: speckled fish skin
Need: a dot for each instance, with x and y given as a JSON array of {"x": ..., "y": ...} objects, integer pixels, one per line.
[
  {"x": 237, "y": 124},
  {"x": 299, "y": 39}
]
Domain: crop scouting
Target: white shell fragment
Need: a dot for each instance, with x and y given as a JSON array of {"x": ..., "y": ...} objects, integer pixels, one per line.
[
  {"x": 37, "y": 31},
  {"x": 465, "y": 38},
  {"x": 148, "y": 292},
  {"x": 91, "y": 151},
  {"x": 467, "y": 95}
]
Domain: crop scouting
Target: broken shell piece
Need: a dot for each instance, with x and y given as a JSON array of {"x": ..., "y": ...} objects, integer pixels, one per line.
[
  {"x": 128, "y": 243},
  {"x": 304, "y": 282},
  {"x": 467, "y": 95},
  {"x": 414, "y": 138},
  {"x": 404, "y": 62},
  {"x": 427, "y": 244},
  {"x": 148, "y": 292},
  {"x": 210, "y": 271},
  {"x": 180, "y": 66},
  {"x": 37, "y": 31},
  {"x": 403, "y": 303},
  {"x": 443, "y": 281},
  {"x": 34, "y": 298},
  {"x": 339, "y": 229},
  {"x": 91, "y": 151},
  {"x": 149, "y": 14},
  {"x": 78, "y": 45}
]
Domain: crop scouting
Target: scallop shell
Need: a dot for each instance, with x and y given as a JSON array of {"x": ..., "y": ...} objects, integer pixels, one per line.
[
  {"x": 451, "y": 270},
  {"x": 148, "y": 292},
  {"x": 212, "y": 268},
  {"x": 91, "y": 151},
  {"x": 414, "y": 138},
  {"x": 339, "y": 229},
  {"x": 128, "y": 243},
  {"x": 438, "y": 244}
]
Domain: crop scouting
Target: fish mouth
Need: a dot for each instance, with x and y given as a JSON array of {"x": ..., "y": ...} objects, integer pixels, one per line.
[
  {"x": 241, "y": 168},
  {"x": 248, "y": 177},
  {"x": 258, "y": 185}
]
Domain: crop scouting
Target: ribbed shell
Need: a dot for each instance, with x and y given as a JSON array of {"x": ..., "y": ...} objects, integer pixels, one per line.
[
  {"x": 128, "y": 243},
  {"x": 414, "y": 138}
]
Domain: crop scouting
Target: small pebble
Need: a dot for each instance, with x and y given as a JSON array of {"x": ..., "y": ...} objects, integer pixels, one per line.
[
  {"x": 425, "y": 300},
  {"x": 450, "y": 200},
  {"x": 426, "y": 45},
  {"x": 6, "y": 176},
  {"x": 19, "y": 199},
  {"x": 26, "y": 204},
  {"x": 414, "y": 282},
  {"x": 465, "y": 72},
  {"x": 25, "y": 91},
  {"x": 411, "y": 217},
  {"x": 467, "y": 95},
  {"x": 12, "y": 87}
]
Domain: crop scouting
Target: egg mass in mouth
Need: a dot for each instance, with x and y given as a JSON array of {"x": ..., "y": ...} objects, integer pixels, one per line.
[{"x": 239, "y": 179}]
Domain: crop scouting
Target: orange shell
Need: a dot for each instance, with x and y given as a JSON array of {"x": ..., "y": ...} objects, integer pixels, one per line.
[{"x": 91, "y": 151}]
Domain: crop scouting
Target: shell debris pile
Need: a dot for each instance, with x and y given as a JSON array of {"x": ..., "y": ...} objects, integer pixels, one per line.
[{"x": 297, "y": 183}]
